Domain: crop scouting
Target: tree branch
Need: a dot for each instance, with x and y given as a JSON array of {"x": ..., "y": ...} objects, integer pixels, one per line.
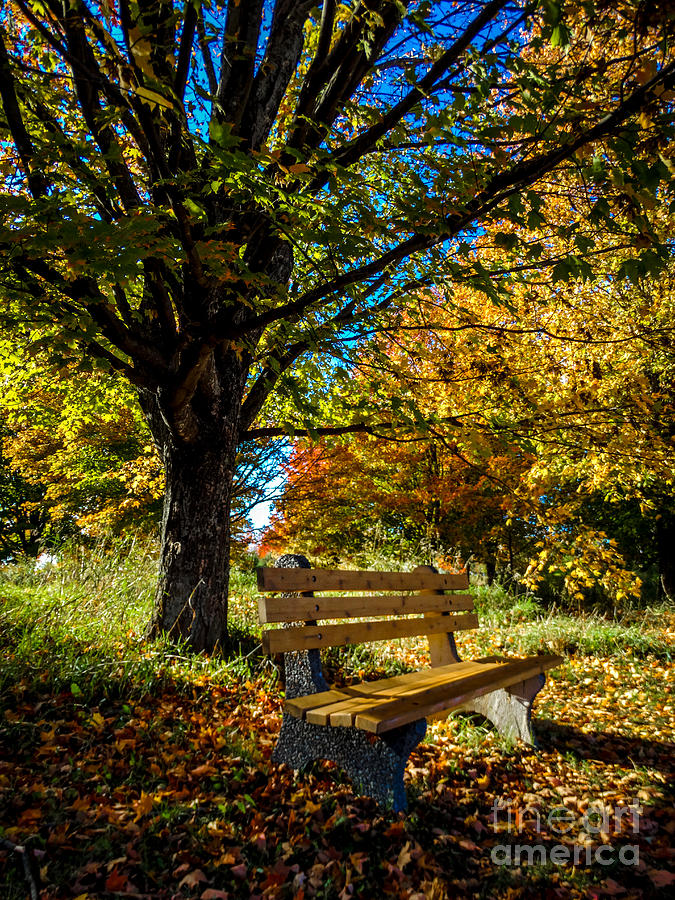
[
  {"x": 206, "y": 53},
  {"x": 37, "y": 182},
  {"x": 87, "y": 89},
  {"x": 364, "y": 142},
  {"x": 328, "y": 8},
  {"x": 31, "y": 876},
  {"x": 498, "y": 189},
  {"x": 85, "y": 292},
  {"x": 327, "y": 89},
  {"x": 95, "y": 348},
  {"x": 284, "y": 48},
  {"x": 266, "y": 381},
  {"x": 292, "y": 431},
  {"x": 185, "y": 52},
  {"x": 70, "y": 155},
  {"x": 240, "y": 41}
]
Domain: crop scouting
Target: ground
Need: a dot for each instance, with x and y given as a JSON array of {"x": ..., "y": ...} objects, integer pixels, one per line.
[{"x": 149, "y": 775}]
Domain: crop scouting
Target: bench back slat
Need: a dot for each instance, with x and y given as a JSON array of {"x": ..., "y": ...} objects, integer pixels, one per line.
[
  {"x": 270, "y": 579},
  {"x": 308, "y": 609},
  {"x": 283, "y": 640}
]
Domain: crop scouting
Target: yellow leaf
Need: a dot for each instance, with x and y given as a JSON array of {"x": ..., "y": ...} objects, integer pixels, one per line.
[{"x": 151, "y": 96}]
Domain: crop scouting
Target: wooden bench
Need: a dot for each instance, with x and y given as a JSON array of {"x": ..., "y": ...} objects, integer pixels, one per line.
[{"x": 369, "y": 729}]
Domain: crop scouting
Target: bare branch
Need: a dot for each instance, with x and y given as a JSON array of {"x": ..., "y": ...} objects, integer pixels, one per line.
[
  {"x": 237, "y": 67},
  {"x": 282, "y": 55},
  {"x": 28, "y": 864},
  {"x": 332, "y": 82},
  {"x": 353, "y": 152},
  {"x": 185, "y": 52},
  {"x": 95, "y": 348},
  {"x": 206, "y": 53},
  {"x": 292, "y": 431}
]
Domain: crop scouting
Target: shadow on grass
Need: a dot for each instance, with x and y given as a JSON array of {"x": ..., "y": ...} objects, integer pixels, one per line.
[{"x": 607, "y": 747}]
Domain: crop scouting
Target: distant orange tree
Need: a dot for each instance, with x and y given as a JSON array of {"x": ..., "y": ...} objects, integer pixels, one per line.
[{"x": 342, "y": 500}]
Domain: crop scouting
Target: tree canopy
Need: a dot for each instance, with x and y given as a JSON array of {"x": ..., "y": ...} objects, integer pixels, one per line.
[{"x": 202, "y": 195}]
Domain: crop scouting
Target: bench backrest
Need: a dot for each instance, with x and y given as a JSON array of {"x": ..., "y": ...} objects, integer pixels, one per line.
[{"x": 396, "y": 594}]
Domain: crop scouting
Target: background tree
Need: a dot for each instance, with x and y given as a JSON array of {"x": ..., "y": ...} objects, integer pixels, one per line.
[
  {"x": 348, "y": 498},
  {"x": 82, "y": 439},
  {"x": 574, "y": 379},
  {"x": 199, "y": 196},
  {"x": 24, "y": 520},
  {"x": 77, "y": 447}
]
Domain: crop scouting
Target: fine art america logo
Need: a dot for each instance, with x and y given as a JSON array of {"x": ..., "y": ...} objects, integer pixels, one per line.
[{"x": 594, "y": 829}]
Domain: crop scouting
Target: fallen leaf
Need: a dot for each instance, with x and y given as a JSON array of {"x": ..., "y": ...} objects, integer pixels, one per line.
[
  {"x": 404, "y": 856},
  {"x": 116, "y": 881},
  {"x": 193, "y": 878},
  {"x": 661, "y": 877}
]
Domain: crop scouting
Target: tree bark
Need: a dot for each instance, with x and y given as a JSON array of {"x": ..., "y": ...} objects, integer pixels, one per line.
[
  {"x": 191, "y": 598},
  {"x": 199, "y": 449}
]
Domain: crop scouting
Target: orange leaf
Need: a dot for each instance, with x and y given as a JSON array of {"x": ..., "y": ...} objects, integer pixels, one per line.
[
  {"x": 143, "y": 806},
  {"x": 116, "y": 881},
  {"x": 205, "y": 769},
  {"x": 661, "y": 877}
]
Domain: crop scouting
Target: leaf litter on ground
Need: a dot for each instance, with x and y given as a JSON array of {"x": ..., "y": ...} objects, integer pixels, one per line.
[{"x": 172, "y": 794}]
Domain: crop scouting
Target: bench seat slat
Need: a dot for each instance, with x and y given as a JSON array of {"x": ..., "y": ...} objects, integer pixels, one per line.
[
  {"x": 297, "y": 706},
  {"x": 307, "y": 609},
  {"x": 331, "y": 707},
  {"x": 283, "y": 640},
  {"x": 344, "y": 712},
  {"x": 270, "y": 579},
  {"x": 381, "y": 706},
  {"x": 441, "y": 700}
]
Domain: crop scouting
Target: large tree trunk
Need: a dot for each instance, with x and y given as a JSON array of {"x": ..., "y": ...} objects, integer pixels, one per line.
[
  {"x": 199, "y": 449},
  {"x": 191, "y": 599}
]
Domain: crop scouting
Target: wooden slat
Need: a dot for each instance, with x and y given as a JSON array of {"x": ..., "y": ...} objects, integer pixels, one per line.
[
  {"x": 444, "y": 698},
  {"x": 346, "y": 716},
  {"x": 270, "y": 579},
  {"x": 343, "y": 712},
  {"x": 307, "y": 609},
  {"x": 442, "y": 647},
  {"x": 282, "y": 640},
  {"x": 297, "y": 706},
  {"x": 340, "y": 706}
]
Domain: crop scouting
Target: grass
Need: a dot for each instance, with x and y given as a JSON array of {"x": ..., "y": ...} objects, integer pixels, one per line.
[
  {"x": 79, "y": 623},
  {"x": 86, "y": 614},
  {"x": 524, "y": 626}
]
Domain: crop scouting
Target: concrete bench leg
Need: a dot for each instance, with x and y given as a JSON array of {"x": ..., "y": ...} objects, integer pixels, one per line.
[
  {"x": 375, "y": 767},
  {"x": 510, "y": 709}
]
